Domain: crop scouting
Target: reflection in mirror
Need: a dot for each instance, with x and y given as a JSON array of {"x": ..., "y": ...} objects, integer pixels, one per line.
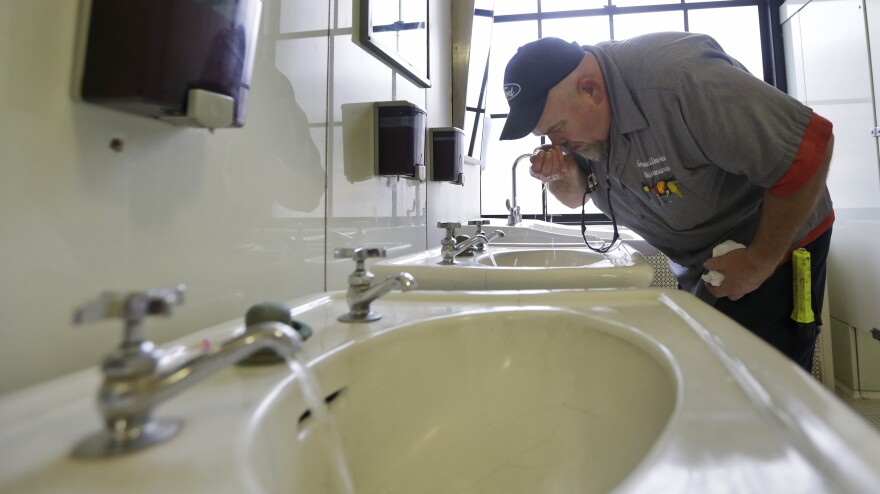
[
  {"x": 470, "y": 63},
  {"x": 396, "y": 31}
]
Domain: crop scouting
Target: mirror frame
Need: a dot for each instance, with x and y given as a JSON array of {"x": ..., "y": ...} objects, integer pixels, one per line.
[{"x": 389, "y": 54}]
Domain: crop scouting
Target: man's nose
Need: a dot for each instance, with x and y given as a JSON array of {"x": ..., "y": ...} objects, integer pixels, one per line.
[{"x": 556, "y": 139}]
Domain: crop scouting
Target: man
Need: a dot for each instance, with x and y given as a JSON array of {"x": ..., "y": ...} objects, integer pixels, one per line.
[{"x": 689, "y": 150}]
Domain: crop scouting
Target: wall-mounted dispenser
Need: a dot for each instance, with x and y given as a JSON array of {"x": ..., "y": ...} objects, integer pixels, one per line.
[
  {"x": 187, "y": 62},
  {"x": 446, "y": 154},
  {"x": 399, "y": 139}
]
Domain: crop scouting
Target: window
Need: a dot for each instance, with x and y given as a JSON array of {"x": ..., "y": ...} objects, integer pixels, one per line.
[{"x": 740, "y": 26}]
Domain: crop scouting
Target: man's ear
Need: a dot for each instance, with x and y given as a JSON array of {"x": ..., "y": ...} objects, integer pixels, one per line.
[{"x": 591, "y": 87}]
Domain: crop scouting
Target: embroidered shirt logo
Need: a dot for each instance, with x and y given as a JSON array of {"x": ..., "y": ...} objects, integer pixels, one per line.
[
  {"x": 651, "y": 167},
  {"x": 511, "y": 90}
]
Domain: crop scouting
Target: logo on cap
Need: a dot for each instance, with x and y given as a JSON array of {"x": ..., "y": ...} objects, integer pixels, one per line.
[{"x": 511, "y": 90}]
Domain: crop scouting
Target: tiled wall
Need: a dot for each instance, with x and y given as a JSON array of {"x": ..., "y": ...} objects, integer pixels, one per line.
[{"x": 239, "y": 215}]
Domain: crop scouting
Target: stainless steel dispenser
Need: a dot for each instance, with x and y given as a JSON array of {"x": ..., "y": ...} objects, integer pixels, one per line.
[
  {"x": 399, "y": 139},
  {"x": 187, "y": 62},
  {"x": 446, "y": 154}
]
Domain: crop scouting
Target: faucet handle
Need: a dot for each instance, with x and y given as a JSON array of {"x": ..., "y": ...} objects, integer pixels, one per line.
[
  {"x": 448, "y": 224},
  {"x": 479, "y": 224},
  {"x": 450, "y": 227},
  {"x": 130, "y": 305},
  {"x": 133, "y": 307},
  {"x": 359, "y": 254},
  {"x": 360, "y": 276}
]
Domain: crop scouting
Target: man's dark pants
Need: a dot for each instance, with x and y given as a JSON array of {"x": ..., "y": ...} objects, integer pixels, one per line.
[{"x": 767, "y": 310}]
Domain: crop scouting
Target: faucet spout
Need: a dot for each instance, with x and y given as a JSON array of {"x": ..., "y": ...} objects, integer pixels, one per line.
[
  {"x": 479, "y": 239},
  {"x": 121, "y": 400},
  {"x": 493, "y": 235},
  {"x": 129, "y": 394},
  {"x": 359, "y": 298},
  {"x": 449, "y": 248},
  {"x": 515, "y": 217}
]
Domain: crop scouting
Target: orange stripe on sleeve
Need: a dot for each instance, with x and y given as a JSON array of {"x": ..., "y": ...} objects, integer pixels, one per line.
[
  {"x": 808, "y": 159},
  {"x": 813, "y": 235}
]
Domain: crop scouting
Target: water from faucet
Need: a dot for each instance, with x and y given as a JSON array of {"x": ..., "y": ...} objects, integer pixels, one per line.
[
  {"x": 329, "y": 435},
  {"x": 491, "y": 255}
]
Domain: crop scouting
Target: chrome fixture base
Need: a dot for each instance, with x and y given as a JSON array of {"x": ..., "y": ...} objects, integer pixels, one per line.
[{"x": 111, "y": 442}]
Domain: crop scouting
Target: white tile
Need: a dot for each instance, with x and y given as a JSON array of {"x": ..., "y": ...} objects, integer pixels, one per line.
[{"x": 237, "y": 214}]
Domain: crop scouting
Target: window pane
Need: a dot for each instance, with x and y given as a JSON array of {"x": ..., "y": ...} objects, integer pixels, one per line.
[
  {"x": 584, "y": 30},
  {"x": 562, "y": 5},
  {"x": 496, "y": 186},
  {"x": 507, "y": 37},
  {"x": 640, "y": 3},
  {"x": 481, "y": 38},
  {"x": 736, "y": 29},
  {"x": 495, "y": 179},
  {"x": 506, "y": 7},
  {"x": 628, "y": 25}
]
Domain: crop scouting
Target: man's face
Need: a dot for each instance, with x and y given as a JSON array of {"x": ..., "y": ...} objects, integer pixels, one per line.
[{"x": 576, "y": 122}]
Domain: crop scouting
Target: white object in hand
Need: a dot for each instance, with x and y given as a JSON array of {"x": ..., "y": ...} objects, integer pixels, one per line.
[{"x": 715, "y": 278}]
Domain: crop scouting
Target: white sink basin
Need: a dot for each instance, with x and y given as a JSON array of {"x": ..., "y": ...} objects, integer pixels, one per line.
[
  {"x": 545, "y": 258},
  {"x": 471, "y": 403},
  {"x": 544, "y": 232},
  {"x": 518, "y": 393},
  {"x": 518, "y": 267},
  {"x": 623, "y": 391}
]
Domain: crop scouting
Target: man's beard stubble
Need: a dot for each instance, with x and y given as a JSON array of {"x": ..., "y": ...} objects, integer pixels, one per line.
[{"x": 593, "y": 151}]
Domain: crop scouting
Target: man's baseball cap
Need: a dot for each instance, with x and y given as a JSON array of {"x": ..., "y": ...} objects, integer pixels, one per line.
[{"x": 530, "y": 75}]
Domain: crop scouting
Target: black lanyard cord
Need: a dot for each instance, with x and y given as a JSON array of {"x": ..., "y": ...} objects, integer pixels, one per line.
[{"x": 605, "y": 246}]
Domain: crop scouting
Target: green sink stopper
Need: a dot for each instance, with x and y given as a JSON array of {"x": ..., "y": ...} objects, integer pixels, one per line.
[{"x": 272, "y": 312}]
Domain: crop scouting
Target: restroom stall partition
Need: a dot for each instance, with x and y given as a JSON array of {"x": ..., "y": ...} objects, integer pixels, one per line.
[{"x": 829, "y": 68}]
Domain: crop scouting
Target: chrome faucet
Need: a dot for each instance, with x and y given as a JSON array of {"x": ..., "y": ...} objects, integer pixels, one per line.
[
  {"x": 135, "y": 381},
  {"x": 449, "y": 247},
  {"x": 515, "y": 217},
  {"x": 481, "y": 247},
  {"x": 361, "y": 289}
]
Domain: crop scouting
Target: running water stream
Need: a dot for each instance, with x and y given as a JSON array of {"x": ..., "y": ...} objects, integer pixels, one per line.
[
  {"x": 490, "y": 255},
  {"x": 330, "y": 439}
]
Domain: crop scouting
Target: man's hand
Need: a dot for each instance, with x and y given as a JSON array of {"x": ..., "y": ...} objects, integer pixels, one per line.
[
  {"x": 743, "y": 272},
  {"x": 565, "y": 180},
  {"x": 550, "y": 164}
]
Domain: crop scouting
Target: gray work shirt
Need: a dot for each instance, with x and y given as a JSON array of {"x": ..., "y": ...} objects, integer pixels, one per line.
[{"x": 684, "y": 112}]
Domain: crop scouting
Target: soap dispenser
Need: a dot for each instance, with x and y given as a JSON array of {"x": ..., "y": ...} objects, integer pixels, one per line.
[
  {"x": 446, "y": 154},
  {"x": 187, "y": 62},
  {"x": 399, "y": 149}
]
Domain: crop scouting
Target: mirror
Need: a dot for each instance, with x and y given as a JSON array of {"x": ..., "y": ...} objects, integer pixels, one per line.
[{"x": 396, "y": 32}]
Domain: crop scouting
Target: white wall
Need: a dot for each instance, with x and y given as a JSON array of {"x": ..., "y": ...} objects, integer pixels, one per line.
[
  {"x": 239, "y": 215},
  {"x": 829, "y": 68}
]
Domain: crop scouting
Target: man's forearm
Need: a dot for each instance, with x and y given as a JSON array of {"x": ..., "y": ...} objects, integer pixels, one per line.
[
  {"x": 569, "y": 189},
  {"x": 783, "y": 216}
]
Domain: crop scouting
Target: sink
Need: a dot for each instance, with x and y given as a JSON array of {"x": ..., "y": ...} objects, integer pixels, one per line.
[
  {"x": 471, "y": 403},
  {"x": 519, "y": 267},
  {"x": 624, "y": 391},
  {"x": 545, "y": 232},
  {"x": 545, "y": 258},
  {"x": 627, "y": 391}
]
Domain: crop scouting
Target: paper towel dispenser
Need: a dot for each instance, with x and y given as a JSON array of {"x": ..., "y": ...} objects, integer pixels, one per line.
[
  {"x": 187, "y": 62},
  {"x": 446, "y": 154},
  {"x": 399, "y": 148}
]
